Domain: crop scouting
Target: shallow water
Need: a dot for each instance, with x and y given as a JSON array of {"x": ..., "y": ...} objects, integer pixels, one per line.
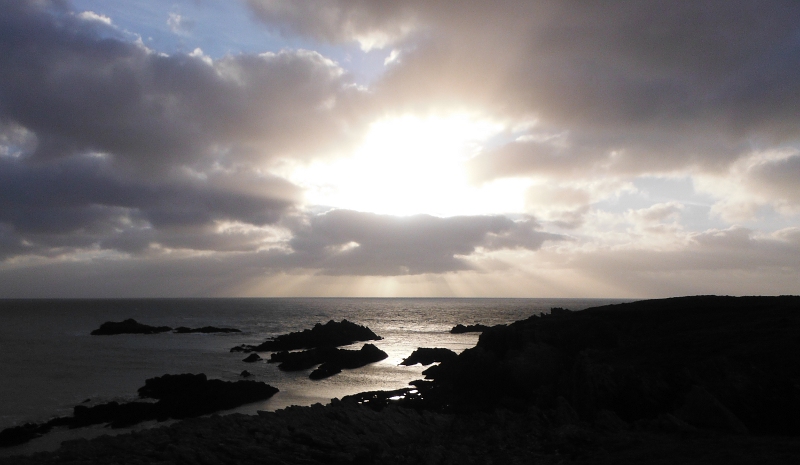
[{"x": 49, "y": 362}]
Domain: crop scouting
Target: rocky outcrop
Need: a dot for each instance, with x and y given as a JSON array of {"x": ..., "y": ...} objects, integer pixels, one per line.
[
  {"x": 426, "y": 356},
  {"x": 177, "y": 396},
  {"x": 461, "y": 329},
  {"x": 330, "y": 359},
  {"x": 205, "y": 330},
  {"x": 129, "y": 326},
  {"x": 252, "y": 358},
  {"x": 721, "y": 363},
  {"x": 331, "y": 334}
]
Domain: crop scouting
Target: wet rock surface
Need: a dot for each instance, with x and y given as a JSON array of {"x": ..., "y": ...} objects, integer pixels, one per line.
[
  {"x": 331, "y": 334},
  {"x": 426, "y": 356},
  {"x": 330, "y": 359},
  {"x": 129, "y": 326}
]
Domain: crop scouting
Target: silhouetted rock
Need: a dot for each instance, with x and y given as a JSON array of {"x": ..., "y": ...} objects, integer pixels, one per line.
[
  {"x": 703, "y": 410},
  {"x": 641, "y": 361},
  {"x": 178, "y": 396},
  {"x": 460, "y": 329},
  {"x": 129, "y": 326},
  {"x": 252, "y": 358},
  {"x": 205, "y": 330},
  {"x": 330, "y": 359},
  {"x": 426, "y": 356},
  {"x": 331, "y": 334},
  {"x": 245, "y": 374}
]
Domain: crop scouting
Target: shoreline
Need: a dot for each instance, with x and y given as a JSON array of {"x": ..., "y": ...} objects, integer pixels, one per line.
[{"x": 645, "y": 382}]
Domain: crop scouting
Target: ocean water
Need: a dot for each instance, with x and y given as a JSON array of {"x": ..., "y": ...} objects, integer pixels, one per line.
[{"x": 49, "y": 362}]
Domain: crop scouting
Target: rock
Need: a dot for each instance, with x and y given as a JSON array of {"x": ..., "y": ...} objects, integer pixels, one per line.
[
  {"x": 426, "y": 356},
  {"x": 245, "y": 374},
  {"x": 21, "y": 434},
  {"x": 607, "y": 420},
  {"x": 252, "y": 358},
  {"x": 325, "y": 370},
  {"x": 129, "y": 326},
  {"x": 476, "y": 328},
  {"x": 177, "y": 396},
  {"x": 564, "y": 413},
  {"x": 638, "y": 360},
  {"x": 703, "y": 410},
  {"x": 205, "y": 330},
  {"x": 331, "y": 360},
  {"x": 331, "y": 334}
]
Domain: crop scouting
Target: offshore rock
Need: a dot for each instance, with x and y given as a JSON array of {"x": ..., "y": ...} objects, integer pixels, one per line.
[
  {"x": 476, "y": 328},
  {"x": 252, "y": 358},
  {"x": 129, "y": 326},
  {"x": 426, "y": 356},
  {"x": 331, "y": 334},
  {"x": 330, "y": 359}
]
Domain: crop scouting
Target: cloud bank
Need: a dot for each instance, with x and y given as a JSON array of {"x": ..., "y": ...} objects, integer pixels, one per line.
[{"x": 168, "y": 170}]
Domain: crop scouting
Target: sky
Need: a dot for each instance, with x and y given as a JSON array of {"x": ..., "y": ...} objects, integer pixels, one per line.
[{"x": 427, "y": 148}]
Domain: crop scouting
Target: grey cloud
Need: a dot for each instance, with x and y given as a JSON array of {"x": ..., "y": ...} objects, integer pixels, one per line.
[
  {"x": 356, "y": 243},
  {"x": 663, "y": 85},
  {"x": 80, "y": 202},
  {"x": 78, "y": 91}
]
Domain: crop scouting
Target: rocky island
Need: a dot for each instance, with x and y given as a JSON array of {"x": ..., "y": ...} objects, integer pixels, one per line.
[
  {"x": 686, "y": 380},
  {"x": 331, "y": 334},
  {"x": 131, "y": 326}
]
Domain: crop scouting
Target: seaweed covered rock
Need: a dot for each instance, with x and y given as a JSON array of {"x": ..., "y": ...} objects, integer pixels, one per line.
[
  {"x": 426, "y": 356},
  {"x": 129, "y": 326},
  {"x": 331, "y": 334}
]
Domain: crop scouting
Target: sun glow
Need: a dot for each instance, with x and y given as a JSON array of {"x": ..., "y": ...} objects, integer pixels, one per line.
[{"x": 410, "y": 165}]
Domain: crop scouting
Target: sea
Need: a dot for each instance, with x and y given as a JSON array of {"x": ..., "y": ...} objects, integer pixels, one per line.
[{"x": 49, "y": 362}]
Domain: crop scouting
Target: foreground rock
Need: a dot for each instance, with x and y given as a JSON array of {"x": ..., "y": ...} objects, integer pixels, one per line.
[
  {"x": 129, "y": 326},
  {"x": 348, "y": 433},
  {"x": 461, "y": 329},
  {"x": 426, "y": 356},
  {"x": 177, "y": 396},
  {"x": 720, "y": 363},
  {"x": 331, "y": 334},
  {"x": 330, "y": 359}
]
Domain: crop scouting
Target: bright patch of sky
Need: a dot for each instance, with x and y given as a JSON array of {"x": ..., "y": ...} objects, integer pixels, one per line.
[{"x": 219, "y": 28}]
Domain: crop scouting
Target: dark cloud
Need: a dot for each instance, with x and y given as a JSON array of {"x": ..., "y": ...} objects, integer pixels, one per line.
[
  {"x": 356, "y": 243},
  {"x": 81, "y": 202},
  {"x": 77, "y": 91}
]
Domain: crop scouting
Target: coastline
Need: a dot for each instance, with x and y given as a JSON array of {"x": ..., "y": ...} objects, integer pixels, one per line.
[{"x": 583, "y": 413}]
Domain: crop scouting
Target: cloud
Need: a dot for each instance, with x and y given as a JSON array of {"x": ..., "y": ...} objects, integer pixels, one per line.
[
  {"x": 357, "y": 243},
  {"x": 83, "y": 202},
  {"x": 80, "y": 92},
  {"x": 639, "y": 87},
  {"x": 179, "y": 24}
]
